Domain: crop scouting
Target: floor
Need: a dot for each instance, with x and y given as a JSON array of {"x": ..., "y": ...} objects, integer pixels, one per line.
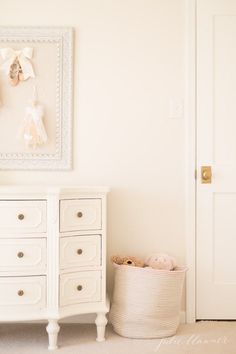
[{"x": 199, "y": 338}]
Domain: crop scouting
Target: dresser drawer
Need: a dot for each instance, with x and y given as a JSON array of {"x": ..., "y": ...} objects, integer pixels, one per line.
[
  {"x": 22, "y": 294},
  {"x": 80, "y": 214},
  {"x": 80, "y": 287},
  {"x": 80, "y": 251},
  {"x": 23, "y": 256},
  {"x": 22, "y": 217}
]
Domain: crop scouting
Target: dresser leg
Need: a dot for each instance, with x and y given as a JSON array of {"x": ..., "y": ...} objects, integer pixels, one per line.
[
  {"x": 52, "y": 328},
  {"x": 101, "y": 322}
]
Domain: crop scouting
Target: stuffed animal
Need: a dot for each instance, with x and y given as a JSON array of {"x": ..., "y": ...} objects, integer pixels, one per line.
[
  {"x": 161, "y": 261},
  {"x": 128, "y": 260}
]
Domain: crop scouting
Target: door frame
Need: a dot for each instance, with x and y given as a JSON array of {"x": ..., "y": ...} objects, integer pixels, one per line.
[{"x": 190, "y": 157}]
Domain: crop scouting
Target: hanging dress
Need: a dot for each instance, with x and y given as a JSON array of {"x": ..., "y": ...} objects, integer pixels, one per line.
[{"x": 33, "y": 131}]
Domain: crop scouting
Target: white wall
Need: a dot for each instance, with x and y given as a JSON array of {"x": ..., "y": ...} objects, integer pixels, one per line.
[{"x": 128, "y": 63}]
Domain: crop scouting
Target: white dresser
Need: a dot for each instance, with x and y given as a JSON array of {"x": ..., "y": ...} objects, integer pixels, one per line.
[{"x": 53, "y": 255}]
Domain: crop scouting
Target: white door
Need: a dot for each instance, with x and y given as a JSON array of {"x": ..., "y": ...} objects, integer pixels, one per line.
[{"x": 216, "y": 147}]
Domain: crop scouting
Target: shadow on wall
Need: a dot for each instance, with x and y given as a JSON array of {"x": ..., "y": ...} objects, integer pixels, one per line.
[{"x": 142, "y": 222}]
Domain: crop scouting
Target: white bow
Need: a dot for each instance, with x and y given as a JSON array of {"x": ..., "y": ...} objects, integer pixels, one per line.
[{"x": 9, "y": 55}]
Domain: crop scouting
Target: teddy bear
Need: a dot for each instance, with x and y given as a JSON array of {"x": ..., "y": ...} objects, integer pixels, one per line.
[
  {"x": 127, "y": 260},
  {"x": 161, "y": 261}
]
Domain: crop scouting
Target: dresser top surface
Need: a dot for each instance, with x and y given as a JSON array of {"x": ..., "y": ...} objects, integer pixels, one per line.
[{"x": 48, "y": 190}]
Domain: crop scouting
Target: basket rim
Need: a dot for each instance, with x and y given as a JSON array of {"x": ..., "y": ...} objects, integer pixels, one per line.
[{"x": 181, "y": 269}]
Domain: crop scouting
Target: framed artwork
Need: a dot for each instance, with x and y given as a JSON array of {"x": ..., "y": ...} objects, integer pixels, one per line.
[{"x": 36, "y": 83}]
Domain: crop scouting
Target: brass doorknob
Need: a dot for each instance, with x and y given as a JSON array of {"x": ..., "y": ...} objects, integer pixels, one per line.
[
  {"x": 20, "y": 293},
  {"x": 206, "y": 174},
  {"x": 79, "y": 287},
  {"x": 21, "y": 216},
  {"x": 79, "y": 251},
  {"x": 79, "y": 214}
]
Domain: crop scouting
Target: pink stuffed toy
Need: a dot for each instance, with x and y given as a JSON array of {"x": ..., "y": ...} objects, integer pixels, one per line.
[{"x": 161, "y": 261}]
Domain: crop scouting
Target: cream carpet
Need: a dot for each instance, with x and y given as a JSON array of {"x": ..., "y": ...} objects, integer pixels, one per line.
[{"x": 199, "y": 338}]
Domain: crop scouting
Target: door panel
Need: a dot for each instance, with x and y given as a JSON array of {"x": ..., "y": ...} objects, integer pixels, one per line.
[
  {"x": 224, "y": 212},
  {"x": 216, "y": 147}
]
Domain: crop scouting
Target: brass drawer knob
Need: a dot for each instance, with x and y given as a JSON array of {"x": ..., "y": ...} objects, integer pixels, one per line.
[
  {"x": 79, "y": 251},
  {"x": 79, "y": 214},
  {"x": 79, "y": 287},
  {"x": 20, "y": 293},
  {"x": 21, "y": 216},
  {"x": 20, "y": 254}
]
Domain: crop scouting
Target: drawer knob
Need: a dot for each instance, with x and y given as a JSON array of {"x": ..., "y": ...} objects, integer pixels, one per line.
[
  {"x": 20, "y": 293},
  {"x": 79, "y": 214},
  {"x": 79, "y": 287},
  {"x": 21, "y": 216},
  {"x": 20, "y": 254},
  {"x": 79, "y": 251}
]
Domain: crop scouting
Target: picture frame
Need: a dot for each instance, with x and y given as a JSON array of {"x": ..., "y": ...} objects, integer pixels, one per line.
[{"x": 52, "y": 62}]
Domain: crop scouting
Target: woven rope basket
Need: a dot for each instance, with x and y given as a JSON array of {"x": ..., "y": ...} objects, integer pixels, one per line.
[{"x": 146, "y": 302}]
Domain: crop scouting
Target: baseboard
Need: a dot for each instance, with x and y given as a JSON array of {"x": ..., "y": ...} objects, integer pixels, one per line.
[
  {"x": 86, "y": 319},
  {"x": 90, "y": 318}
]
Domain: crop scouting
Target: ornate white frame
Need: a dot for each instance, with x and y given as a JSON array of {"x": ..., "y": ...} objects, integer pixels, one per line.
[{"x": 62, "y": 37}]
